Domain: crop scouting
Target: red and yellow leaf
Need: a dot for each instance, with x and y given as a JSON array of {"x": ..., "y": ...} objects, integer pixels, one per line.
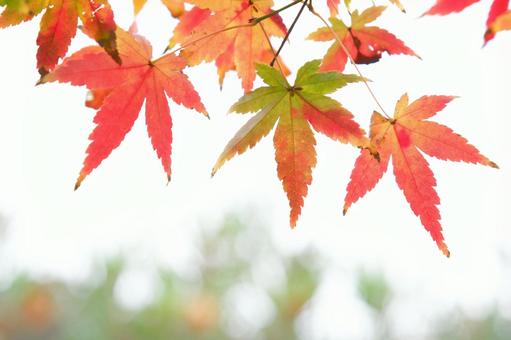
[
  {"x": 59, "y": 24},
  {"x": 220, "y": 31},
  {"x": 120, "y": 91},
  {"x": 58, "y": 27},
  {"x": 365, "y": 44},
  {"x": 401, "y": 138}
]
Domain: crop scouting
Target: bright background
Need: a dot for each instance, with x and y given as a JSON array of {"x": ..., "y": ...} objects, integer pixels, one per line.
[{"x": 124, "y": 207}]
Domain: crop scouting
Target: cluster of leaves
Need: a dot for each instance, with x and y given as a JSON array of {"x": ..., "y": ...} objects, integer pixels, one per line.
[{"x": 236, "y": 35}]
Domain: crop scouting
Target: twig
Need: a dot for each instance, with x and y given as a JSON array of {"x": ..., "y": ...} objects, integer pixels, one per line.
[
  {"x": 269, "y": 15},
  {"x": 273, "y": 51},
  {"x": 305, "y": 2}
]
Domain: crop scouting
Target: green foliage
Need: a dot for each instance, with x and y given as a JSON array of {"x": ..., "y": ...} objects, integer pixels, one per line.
[{"x": 184, "y": 307}]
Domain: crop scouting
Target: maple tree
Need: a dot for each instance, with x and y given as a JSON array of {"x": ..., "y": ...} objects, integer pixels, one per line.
[{"x": 237, "y": 35}]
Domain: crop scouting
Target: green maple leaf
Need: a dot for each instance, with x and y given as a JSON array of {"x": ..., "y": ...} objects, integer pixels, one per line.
[{"x": 294, "y": 109}]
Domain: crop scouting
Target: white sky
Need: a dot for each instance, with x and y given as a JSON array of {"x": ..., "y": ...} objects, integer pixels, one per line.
[{"x": 125, "y": 206}]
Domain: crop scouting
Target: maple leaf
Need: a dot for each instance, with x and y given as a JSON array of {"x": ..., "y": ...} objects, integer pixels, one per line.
[
  {"x": 497, "y": 10},
  {"x": 175, "y": 7},
  {"x": 233, "y": 49},
  {"x": 365, "y": 43},
  {"x": 401, "y": 138},
  {"x": 59, "y": 24},
  {"x": 123, "y": 89},
  {"x": 294, "y": 109}
]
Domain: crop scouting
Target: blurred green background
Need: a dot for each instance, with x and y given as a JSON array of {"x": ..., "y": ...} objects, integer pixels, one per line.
[{"x": 227, "y": 294}]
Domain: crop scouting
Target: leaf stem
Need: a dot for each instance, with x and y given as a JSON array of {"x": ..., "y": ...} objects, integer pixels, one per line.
[
  {"x": 351, "y": 60},
  {"x": 305, "y": 2}
]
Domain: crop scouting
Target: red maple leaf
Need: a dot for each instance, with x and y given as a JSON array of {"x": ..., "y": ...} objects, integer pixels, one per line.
[
  {"x": 366, "y": 44},
  {"x": 498, "y": 8},
  {"x": 122, "y": 90},
  {"x": 401, "y": 138}
]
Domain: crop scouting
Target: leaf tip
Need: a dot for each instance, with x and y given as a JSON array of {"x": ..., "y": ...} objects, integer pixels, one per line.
[
  {"x": 43, "y": 72},
  {"x": 493, "y": 165},
  {"x": 444, "y": 249},
  {"x": 77, "y": 184},
  {"x": 47, "y": 78},
  {"x": 79, "y": 180}
]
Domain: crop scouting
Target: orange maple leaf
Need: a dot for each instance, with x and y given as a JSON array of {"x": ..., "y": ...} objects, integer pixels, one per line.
[
  {"x": 401, "y": 138},
  {"x": 236, "y": 49},
  {"x": 59, "y": 25},
  {"x": 123, "y": 89}
]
